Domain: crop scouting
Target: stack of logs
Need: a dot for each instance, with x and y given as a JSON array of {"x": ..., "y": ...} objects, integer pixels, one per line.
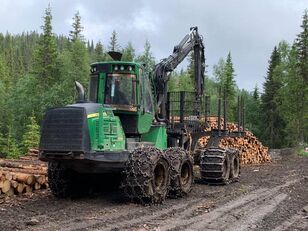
[
  {"x": 251, "y": 149},
  {"x": 23, "y": 175}
]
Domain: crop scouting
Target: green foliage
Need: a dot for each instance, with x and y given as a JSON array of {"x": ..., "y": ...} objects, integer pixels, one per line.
[
  {"x": 273, "y": 123},
  {"x": 113, "y": 44},
  {"x": 128, "y": 53},
  {"x": 8, "y": 146},
  {"x": 224, "y": 73},
  {"x": 99, "y": 54},
  {"x": 146, "y": 58},
  {"x": 46, "y": 54},
  {"x": 31, "y": 137},
  {"x": 75, "y": 33}
]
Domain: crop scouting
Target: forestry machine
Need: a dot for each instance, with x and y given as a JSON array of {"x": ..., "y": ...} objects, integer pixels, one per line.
[{"x": 131, "y": 124}]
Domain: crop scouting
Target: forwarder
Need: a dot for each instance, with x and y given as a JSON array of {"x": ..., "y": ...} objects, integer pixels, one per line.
[{"x": 131, "y": 124}]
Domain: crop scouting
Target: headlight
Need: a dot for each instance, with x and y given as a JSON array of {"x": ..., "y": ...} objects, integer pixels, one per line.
[
  {"x": 130, "y": 68},
  {"x": 122, "y": 68},
  {"x": 116, "y": 68}
]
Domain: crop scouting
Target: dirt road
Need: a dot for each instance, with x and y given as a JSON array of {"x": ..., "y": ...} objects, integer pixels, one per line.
[{"x": 268, "y": 197}]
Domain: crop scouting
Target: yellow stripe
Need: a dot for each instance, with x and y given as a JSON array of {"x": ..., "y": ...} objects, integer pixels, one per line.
[{"x": 92, "y": 115}]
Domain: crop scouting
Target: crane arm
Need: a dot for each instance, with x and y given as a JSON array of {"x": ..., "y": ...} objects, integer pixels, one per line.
[{"x": 191, "y": 42}]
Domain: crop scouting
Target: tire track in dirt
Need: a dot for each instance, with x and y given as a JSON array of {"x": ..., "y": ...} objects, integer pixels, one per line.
[
  {"x": 296, "y": 222},
  {"x": 242, "y": 210},
  {"x": 172, "y": 215}
]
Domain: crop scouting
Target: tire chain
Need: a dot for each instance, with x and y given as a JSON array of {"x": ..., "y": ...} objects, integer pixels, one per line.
[
  {"x": 176, "y": 156},
  {"x": 59, "y": 179},
  {"x": 216, "y": 157},
  {"x": 138, "y": 174}
]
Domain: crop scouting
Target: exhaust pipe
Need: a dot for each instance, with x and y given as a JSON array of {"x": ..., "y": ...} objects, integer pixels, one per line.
[{"x": 80, "y": 91}]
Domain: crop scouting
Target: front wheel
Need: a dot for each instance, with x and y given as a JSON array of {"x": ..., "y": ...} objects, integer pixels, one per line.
[
  {"x": 146, "y": 176},
  {"x": 60, "y": 179}
]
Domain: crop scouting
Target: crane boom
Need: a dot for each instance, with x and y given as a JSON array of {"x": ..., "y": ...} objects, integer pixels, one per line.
[{"x": 191, "y": 42}]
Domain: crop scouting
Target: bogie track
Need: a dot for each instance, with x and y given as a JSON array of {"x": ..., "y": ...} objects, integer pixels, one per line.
[{"x": 219, "y": 166}]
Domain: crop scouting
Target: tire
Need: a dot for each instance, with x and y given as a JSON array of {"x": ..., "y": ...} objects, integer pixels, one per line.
[
  {"x": 235, "y": 169},
  {"x": 60, "y": 180},
  {"x": 215, "y": 166},
  {"x": 146, "y": 176},
  {"x": 181, "y": 172}
]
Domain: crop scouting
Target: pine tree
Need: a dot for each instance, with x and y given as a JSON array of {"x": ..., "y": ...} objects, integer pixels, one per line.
[
  {"x": 31, "y": 136},
  {"x": 113, "y": 44},
  {"x": 75, "y": 33},
  {"x": 46, "y": 53}
]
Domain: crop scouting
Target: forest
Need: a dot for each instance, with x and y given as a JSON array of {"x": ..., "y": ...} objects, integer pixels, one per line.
[{"x": 38, "y": 70}]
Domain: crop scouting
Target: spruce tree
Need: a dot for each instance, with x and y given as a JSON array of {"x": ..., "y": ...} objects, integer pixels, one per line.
[
  {"x": 8, "y": 145},
  {"x": 99, "y": 54},
  {"x": 31, "y": 136},
  {"x": 75, "y": 33},
  {"x": 301, "y": 44},
  {"x": 273, "y": 124},
  {"x": 113, "y": 43},
  {"x": 79, "y": 54},
  {"x": 224, "y": 73},
  {"x": 128, "y": 52},
  {"x": 46, "y": 54},
  {"x": 146, "y": 58}
]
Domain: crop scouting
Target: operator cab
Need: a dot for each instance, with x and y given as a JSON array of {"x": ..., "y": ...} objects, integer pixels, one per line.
[
  {"x": 114, "y": 85},
  {"x": 122, "y": 87}
]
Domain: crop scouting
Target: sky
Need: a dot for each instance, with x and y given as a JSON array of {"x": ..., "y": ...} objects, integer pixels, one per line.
[{"x": 249, "y": 29}]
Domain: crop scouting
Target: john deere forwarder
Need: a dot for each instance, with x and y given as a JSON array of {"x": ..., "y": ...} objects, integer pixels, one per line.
[{"x": 131, "y": 124}]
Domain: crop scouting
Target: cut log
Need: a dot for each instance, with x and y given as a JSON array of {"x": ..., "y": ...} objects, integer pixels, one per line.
[
  {"x": 23, "y": 178},
  {"x": 37, "y": 186},
  {"x": 28, "y": 189},
  {"x": 14, "y": 183},
  {"x": 6, "y": 186},
  {"x": 29, "y": 171},
  {"x": 41, "y": 179},
  {"x": 10, "y": 192},
  {"x": 20, "y": 187}
]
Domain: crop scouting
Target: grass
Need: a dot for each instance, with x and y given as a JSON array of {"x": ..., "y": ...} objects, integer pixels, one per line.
[{"x": 303, "y": 150}]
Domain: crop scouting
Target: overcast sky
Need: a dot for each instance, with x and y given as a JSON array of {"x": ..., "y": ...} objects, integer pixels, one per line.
[{"x": 249, "y": 29}]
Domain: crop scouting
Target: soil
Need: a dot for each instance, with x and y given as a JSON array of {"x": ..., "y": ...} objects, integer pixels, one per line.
[{"x": 273, "y": 196}]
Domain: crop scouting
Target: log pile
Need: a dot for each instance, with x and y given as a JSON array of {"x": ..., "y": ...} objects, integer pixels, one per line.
[
  {"x": 251, "y": 149},
  {"x": 24, "y": 175}
]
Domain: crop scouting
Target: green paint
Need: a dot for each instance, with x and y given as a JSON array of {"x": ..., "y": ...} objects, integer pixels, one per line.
[
  {"x": 144, "y": 122},
  {"x": 101, "y": 87},
  {"x": 157, "y": 135},
  {"x": 106, "y": 132}
]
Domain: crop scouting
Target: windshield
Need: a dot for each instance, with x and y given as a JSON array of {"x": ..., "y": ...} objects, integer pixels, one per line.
[{"x": 121, "y": 91}]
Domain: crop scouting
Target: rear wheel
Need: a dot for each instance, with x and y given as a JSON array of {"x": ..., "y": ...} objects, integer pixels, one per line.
[
  {"x": 181, "y": 171},
  {"x": 146, "y": 177},
  {"x": 235, "y": 165},
  {"x": 215, "y": 166}
]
